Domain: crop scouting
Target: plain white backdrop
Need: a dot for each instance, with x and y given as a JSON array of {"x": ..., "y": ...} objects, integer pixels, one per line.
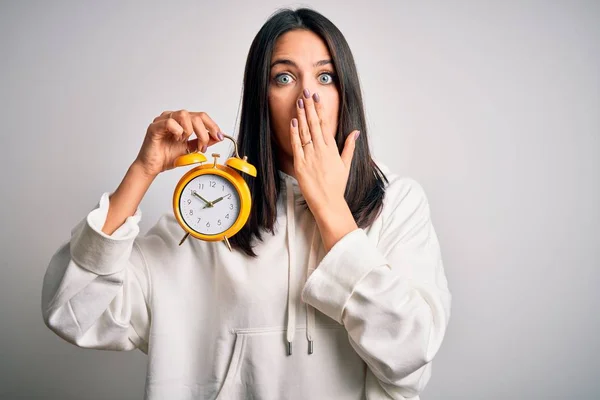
[{"x": 493, "y": 106}]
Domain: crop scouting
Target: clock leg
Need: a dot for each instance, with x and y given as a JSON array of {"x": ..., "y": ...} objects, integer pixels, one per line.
[
  {"x": 227, "y": 243},
  {"x": 185, "y": 237}
]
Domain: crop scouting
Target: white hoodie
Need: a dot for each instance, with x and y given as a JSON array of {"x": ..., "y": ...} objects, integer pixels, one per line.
[{"x": 365, "y": 320}]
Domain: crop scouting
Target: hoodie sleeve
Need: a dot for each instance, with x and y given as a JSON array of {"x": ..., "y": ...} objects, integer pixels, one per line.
[
  {"x": 96, "y": 287},
  {"x": 392, "y": 297}
]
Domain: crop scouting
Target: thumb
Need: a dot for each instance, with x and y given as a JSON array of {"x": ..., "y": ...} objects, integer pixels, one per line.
[{"x": 349, "y": 146}]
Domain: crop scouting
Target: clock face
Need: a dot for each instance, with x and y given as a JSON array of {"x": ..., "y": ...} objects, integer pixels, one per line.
[{"x": 209, "y": 204}]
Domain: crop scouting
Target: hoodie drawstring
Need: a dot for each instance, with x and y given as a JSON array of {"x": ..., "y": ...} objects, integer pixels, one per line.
[
  {"x": 310, "y": 310},
  {"x": 292, "y": 289},
  {"x": 291, "y": 228}
]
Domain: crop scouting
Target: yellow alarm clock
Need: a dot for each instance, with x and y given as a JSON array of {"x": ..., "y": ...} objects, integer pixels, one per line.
[{"x": 212, "y": 202}]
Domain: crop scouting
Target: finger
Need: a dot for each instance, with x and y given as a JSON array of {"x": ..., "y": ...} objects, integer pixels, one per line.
[
  {"x": 183, "y": 117},
  {"x": 349, "y": 146},
  {"x": 163, "y": 115},
  {"x": 303, "y": 128},
  {"x": 192, "y": 145},
  {"x": 212, "y": 127},
  {"x": 201, "y": 133},
  {"x": 297, "y": 149},
  {"x": 168, "y": 127},
  {"x": 319, "y": 110},
  {"x": 314, "y": 124}
]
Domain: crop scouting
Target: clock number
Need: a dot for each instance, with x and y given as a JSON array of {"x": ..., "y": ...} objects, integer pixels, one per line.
[
  {"x": 229, "y": 196},
  {"x": 201, "y": 186},
  {"x": 231, "y": 206},
  {"x": 198, "y": 220},
  {"x": 189, "y": 201},
  {"x": 208, "y": 224},
  {"x": 219, "y": 222},
  {"x": 191, "y": 212},
  {"x": 223, "y": 188},
  {"x": 213, "y": 183},
  {"x": 227, "y": 216}
]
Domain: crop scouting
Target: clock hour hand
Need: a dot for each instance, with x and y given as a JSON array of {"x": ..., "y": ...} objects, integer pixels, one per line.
[
  {"x": 208, "y": 203},
  {"x": 218, "y": 200},
  {"x": 212, "y": 203}
]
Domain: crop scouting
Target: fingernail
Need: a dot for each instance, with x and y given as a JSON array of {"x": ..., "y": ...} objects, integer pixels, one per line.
[
  {"x": 220, "y": 136},
  {"x": 204, "y": 148},
  {"x": 316, "y": 97},
  {"x": 300, "y": 103},
  {"x": 356, "y": 135},
  {"x": 306, "y": 93},
  {"x": 294, "y": 122}
]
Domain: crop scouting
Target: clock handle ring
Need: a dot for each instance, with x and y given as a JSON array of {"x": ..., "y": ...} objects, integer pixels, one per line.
[{"x": 235, "y": 146}]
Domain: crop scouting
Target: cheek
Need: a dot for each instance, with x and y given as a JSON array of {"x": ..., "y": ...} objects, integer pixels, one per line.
[
  {"x": 330, "y": 109},
  {"x": 281, "y": 109},
  {"x": 281, "y": 106}
]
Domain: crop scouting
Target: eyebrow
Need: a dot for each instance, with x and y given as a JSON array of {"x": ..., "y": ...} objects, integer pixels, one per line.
[{"x": 285, "y": 61}]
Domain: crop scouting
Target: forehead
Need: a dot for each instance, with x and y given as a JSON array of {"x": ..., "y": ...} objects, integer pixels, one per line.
[{"x": 301, "y": 45}]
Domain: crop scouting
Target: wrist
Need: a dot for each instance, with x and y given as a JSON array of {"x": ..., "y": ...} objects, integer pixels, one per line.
[
  {"x": 139, "y": 171},
  {"x": 335, "y": 221},
  {"x": 135, "y": 183},
  {"x": 126, "y": 198}
]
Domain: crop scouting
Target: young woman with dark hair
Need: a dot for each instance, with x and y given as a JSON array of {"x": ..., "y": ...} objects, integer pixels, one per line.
[{"x": 337, "y": 249}]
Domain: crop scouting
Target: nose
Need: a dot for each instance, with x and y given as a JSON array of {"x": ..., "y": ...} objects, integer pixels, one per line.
[{"x": 308, "y": 86}]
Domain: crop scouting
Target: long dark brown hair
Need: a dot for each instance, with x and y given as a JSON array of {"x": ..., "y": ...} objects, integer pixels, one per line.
[{"x": 366, "y": 183}]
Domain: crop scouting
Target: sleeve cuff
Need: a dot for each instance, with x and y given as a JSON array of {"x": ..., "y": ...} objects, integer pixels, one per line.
[
  {"x": 331, "y": 285},
  {"x": 98, "y": 252},
  {"x": 97, "y": 217}
]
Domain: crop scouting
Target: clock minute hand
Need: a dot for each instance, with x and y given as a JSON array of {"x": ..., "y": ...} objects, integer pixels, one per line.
[{"x": 208, "y": 203}]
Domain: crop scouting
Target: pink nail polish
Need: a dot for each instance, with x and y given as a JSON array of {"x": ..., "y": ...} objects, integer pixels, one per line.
[
  {"x": 294, "y": 122},
  {"x": 306, "y": 93},
  {"x": 356, "y": 135},
  {"x": 300, "y": 103},
  {"x": 316, "y": 97}
]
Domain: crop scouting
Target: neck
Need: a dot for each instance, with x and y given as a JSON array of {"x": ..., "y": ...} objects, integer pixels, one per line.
[{"x": 286, "y": 164}]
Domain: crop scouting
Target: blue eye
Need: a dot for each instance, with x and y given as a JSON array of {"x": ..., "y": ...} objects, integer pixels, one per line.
[
  {"x": 328, "y": 76},
  {"x": 283, "y": 79}
]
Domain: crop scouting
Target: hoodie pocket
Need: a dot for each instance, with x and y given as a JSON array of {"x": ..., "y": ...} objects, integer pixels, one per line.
[
  {"x": 233, "y": 369},
  {"x": 232, "y": 385},
  {"x": 260, "y": 367}
]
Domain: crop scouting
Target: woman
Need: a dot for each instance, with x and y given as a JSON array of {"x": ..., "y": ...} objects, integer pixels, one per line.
[{"x": 337, "y": 249}]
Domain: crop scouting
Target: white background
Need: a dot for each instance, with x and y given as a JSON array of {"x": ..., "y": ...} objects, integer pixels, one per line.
[{"x": 493, "y": 106}]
